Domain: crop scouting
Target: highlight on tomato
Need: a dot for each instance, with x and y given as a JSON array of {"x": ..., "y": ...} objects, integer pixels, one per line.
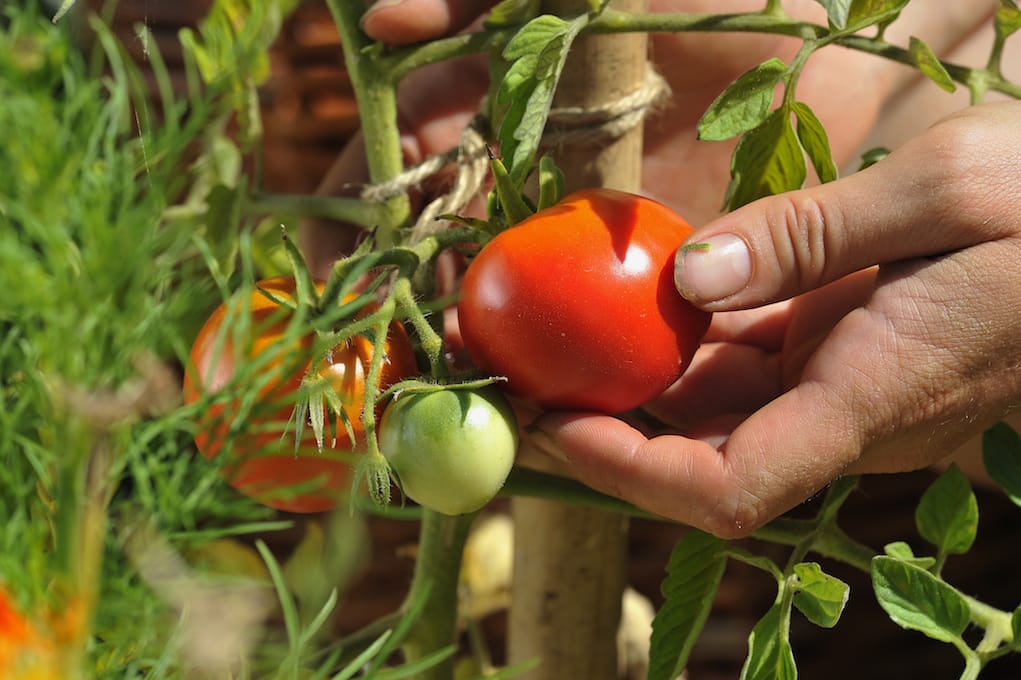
[
  {"x": 451, "y": 449},
  {"x": 576, "y": 307},
  {"x": 250, "y": 343}
]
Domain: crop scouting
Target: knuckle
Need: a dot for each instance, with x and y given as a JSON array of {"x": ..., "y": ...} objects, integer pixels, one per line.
[
  {"x": 802, "y": 231},
  {"x": 965, "y": 164},
  {"x": 736, "y": 516}
]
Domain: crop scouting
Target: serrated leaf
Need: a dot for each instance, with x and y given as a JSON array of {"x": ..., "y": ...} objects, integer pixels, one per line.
[
  {"x": 815, "y": 142},
  {"x": 819, "y": 596},
  {"x": 537, "y": 54},
  {"x": 903, "y": 552},
  {"x": 769, "y": 649},
  {"x": 1007, "y": 20},
  {"x": 744, "y": 105},
  {"x": 915, "y": 599},
  {"x": 693, "y": 575},
  {"x": 512, "y": 13},
  {"x": 768, "y": 160},
  {"x": 947, "y": 514},
  {"x": 1001, "y": 455},
  {"x": 930, "y": 65}
]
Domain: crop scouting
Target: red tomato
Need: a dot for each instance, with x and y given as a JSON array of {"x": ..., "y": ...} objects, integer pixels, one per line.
[
  {"x": 264, "y": 465},
  {"x": 576, "y": 305}
]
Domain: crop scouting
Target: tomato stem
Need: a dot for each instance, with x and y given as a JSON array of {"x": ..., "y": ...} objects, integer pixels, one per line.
[
  {"x": 431, "y": 342},
  {"x": 437, "y": 571},
  {"x": 375, "y": 89}
]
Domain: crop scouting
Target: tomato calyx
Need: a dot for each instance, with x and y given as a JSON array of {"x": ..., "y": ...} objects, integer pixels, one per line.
[{"x": 374, "y": 469}]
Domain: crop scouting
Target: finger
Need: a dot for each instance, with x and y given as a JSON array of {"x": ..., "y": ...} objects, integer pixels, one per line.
[
  {"x": 937, "y": 194},
  {"x": 767, "y": 465},
  {"x": 879, "y": 395},
  {"x": 723, "y": 378},
  {"x": 762, "y": 327},
  {"x": 814, "y": 314},
  {"x": 401, "y": 22}
]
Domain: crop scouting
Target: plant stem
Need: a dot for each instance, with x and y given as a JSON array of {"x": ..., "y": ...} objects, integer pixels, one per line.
[
  {"x": 428, "y": 338},
  {"x": 437, "y": 568},
  {"x": 402, "y": 62},
  {"x": 990, "y": 618},
  {"x": 375, "y": 90},
  {"x": 350, "y": 210}
]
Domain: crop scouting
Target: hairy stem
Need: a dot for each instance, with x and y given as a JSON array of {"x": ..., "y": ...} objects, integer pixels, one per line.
[
  {"x": 375, "y": 90},
  {"x": 437, "y": 568},
  {"x": 401, "y": 62},
  {"x": 349, "y": 210}
]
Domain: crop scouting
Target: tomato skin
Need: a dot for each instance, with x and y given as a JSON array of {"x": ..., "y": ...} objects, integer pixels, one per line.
[
  {"x": 576, "y": 305},
  {"x": 263, "y": 464},
  {"x": 451, "y": 449}
]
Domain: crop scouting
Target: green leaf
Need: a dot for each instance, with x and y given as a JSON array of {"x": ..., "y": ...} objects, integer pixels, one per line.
[
  {"x": 769, "y": 649},
  {"x": 947, "y": 514},
  {"x": 1015, "y": 627},
  {"x": 1001, "y": 454},
  {"x": 231, "y": 48},
  {"x": 551, "y": 183},
  {"x": 744, "y": 105},
  {"x": 512, "y": 203},
  {"x": 903, "y": 552},
  {"x": 815, "y": 142},
  {"x": 930, "y": 65},
  {"x": 864, "y": 13},
  {"x": 537, "y": 54},
  {"x": 836, "y": 11},
  {"x": 1008, "y": 19},
  {"x": 512, "y": 13},
  {"x": 873, "y": 156},
  {"x": 355, "y": 666},
  {"x": 64, "y": 8},
  {"x": 693, "y": 575},
  {"x": 819, "y": 596},
  {"x": 915, "y": 599},
  {"x": 768, "y": 160}
]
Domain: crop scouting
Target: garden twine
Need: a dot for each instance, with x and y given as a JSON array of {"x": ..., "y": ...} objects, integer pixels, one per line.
[{"x": 564, "y": 126}]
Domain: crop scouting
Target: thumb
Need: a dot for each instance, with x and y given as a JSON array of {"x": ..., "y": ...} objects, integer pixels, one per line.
[
  {"x": 934, "y": 195},
  {"x": 402, "y": 22}
]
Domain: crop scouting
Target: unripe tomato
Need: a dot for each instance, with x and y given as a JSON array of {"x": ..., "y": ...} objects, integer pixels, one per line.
[
  {"x": 451, "y": 449},
  {"x": 263, "y": 464},
  {"x": 576, "y": 305}
]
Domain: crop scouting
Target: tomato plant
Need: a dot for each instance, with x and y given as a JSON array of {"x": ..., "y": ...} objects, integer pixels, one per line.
[
  {"x": 452, "y": 449},
  {"x": 263, "y": 464},
  {"x": 576, "y": 305}
]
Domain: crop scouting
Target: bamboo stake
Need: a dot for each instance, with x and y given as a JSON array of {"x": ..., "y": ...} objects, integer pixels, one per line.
[{"x": 569, "y": 566}]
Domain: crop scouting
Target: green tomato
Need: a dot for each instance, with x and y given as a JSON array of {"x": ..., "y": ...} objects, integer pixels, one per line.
[{"x": 451, "y": 449}]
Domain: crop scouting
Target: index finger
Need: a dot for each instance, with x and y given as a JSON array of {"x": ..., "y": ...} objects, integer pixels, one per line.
[{"x": 768, "y": 464}]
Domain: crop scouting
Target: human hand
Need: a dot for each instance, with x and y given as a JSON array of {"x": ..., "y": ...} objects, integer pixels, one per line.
[{"x": 854, "y": 368}]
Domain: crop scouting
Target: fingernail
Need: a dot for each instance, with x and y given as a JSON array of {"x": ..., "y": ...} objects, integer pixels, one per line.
[{"x": 712, "y": 269}]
